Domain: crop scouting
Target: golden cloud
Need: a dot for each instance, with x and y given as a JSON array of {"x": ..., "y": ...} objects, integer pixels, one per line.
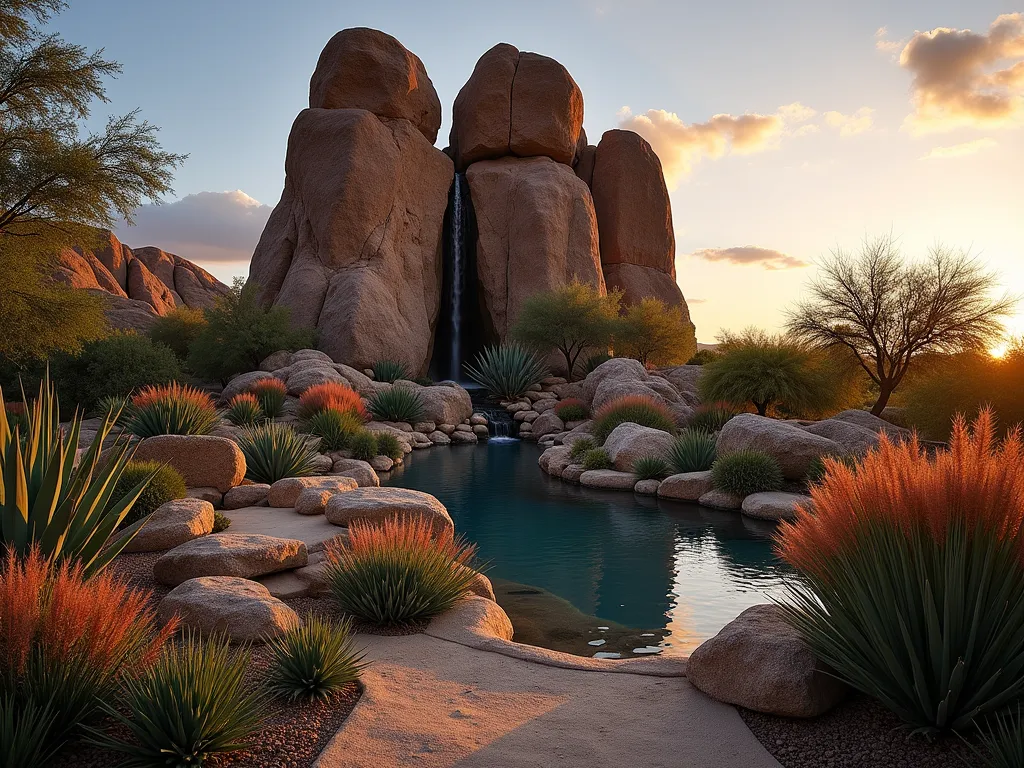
[
  {"x": 768, "y": 258},
  {"x": 851, "y": 125},
  {"x": 960, "y": 150}
]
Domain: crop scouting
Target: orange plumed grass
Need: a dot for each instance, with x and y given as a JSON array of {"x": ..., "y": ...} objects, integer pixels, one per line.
[
  {"x": 271, "y": 393},
  {"x": 244, "y": 409},
  {"x": 172, "y": 409},
  {"x": 70, "y": 640},
  {"x": 399, "y": 571},
  {"x": 913, "y": 567},
  {"x": 638, "y": 409},
  {"x": 331, "y": 395}
]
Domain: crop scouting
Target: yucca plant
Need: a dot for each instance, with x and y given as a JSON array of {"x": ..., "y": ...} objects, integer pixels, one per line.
[
  {"x": 711, "y": 417},
  {"x": 274, "y": 451},
  {"x": 580, "y": 447},
  {"x": 244, "y": 410},
  {"x": 507, "y": 371},
  {"x": 331, "y": 396},
  {"x": 24, "y": 733},
  {"x": 650, "y": 468},
  {"x": 165, "y": 484},
  {"x": 271, "y": 393},
  {"x": 389, "y": 371},
  {"x": 572, "y": 409},
  {"x": 314, "y": 660},
  {"x": 399, "y": 571},
  {"x": 745, "y": 472},
  {"x": 597, "y": 458},
  {"x": 364, "y": 445},
  {"x": 1002, "y": 741},
  {"x": 334, "y": 428},
  {"x": 692, "y": 451},
  {"x": 389, "y": 445},
  {"x": 638, "y": 409},
  {"x": 172, "y": 409},
  {"x": 913, "y": 575},
  {"x": 191, "y": 705},
  {"x": 68, "y": 511},
  {"x": 397, "y": 404}
]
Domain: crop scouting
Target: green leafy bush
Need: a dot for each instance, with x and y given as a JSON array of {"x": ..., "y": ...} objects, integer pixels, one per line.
[
  {"x": 655, "y": 334},
  {"x": 1002, "y": 741},
  {"x": 507, "y": 371},
  {"x": 389, "y": 445},
  {"x": 597, "y": 458},
  {"x": 334, "y": 428},
  {"x": 240, "y": 332},
  {"x": 314, "y": 660},
  {"x": 221, "y": 522},
  {"x": 637, "y": 409},
  {"x": 650, "y": 468},
  {"x": 746, "y": 472},
  {"x": 580, "y": 447},
  {"x": 693, "y": 451},
  {"x": 364, "y": 445},
  {"x": 244, "y": 410},
  {"x": 389, "y": 371},
  {"x": 178, "y": 329},
  {"x": 166, "y": 484},
  {"x": 399, "y": 571},
  {"x": 711, "y": 417},
  {"x": 572, "y": 409},
  {"x": 172, "y": 409},
  {"x": 271, "y": 394},
  {"x": 115, "y": 366},
  {"x": 191, "y": 705},
  {"x": 274, "y": 451},
  {"x": 703, "y": 356},
  {"x": 397, "y": 404}
]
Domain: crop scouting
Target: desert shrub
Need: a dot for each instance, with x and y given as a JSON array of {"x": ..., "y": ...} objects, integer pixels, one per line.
[
  {"x": 703, "y": 356},
  {"x": 24, "y": 733},
  {"x": 638, "y": 409},
  {"x": 711, "y": 417},
  {"x": 913, "y": 576},
  {"x": 54, "y": 503},
  {"x": 595, "y": 360},
  {"x": 655, "y": 334},
  {"x": 819, "y": 466},
  {"x": 746, "y": 472},
  {"x": 244, "y": 410},
  {"x": 389, "y": 445},
  {"x": 397, "y": 404},
  {"x": 271, "y": 394},
  {"x": 364, "y": 445},
  {"x": 178, "y": 329},
  {"x": 597, "y": 458},
  {"x": 165, "y": 484},
  {"x": 1001, "y": 740},
  {"x": 692, "y": 451},
  {"x": 68, "y": 641},
  {"x": 221, "y": 522},
  {"x": 172, "y": 409},
  {"x": 580, "y": 447},
  {"x": 334, "y": 428},
  {"x": 650, "y": 468},
  {"x": 314, "y": 660},
  {"x": 389, "y": 371},
  {"x": 399, "y": 571},
  {"x": 190, "y": 705},
  {"x": 240, "y": 332},
  {"x": 507, "y": 371},
  {"x": 572, "y": 409},
  {"x": 115, "y": 366},
  {"x": 331, "y": 395},
  {"x": 274, "y": 451}
]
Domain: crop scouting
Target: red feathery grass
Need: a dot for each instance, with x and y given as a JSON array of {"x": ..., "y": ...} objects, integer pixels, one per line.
[
  {"x": 331, "y": 395},
  {"x": 638, "y": 409},
  {"x": 157, "y": 394},
  {"x": 271, "y": 393},
  {"x": 572, "y": 409},
  {"x": 978, "y": 483},
  {"x": 412, "y": 534},
  {"x": 269, "y": 385},
  {"x": 246, "y": 398}
]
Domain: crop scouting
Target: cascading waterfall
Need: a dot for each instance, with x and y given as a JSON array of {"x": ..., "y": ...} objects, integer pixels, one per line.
[{"x": 457, "y": 256}]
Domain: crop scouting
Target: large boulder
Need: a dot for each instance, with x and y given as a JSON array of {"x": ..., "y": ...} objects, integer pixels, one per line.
[
  {"x": 555, "y": 460},
  {"x": 445, "y": 403},
  {"x": 367, "y": 69},
  {"x": 536, "y": 231},
  {"x": 794, "y": 448},
  {"x": 548, "y": 423},
  {"x": 242, "y": 496},
  {"x": 375, "y": 505},
  {"x": 245, "y": 555},
  {"x": 853, "y": 438},
  {"x": 202, "y": 460},
  {"x": 686, "y": 486},
  {"x": 170, "y": 525},
  {"x": 608, "y": 479},
  {"x": 759, "y": 662},
  {"x": 286, "y": 491},
  {"x": 870, "y": 421},
  {"x": 625, "y": 377},
  {"x": 353, "y": 249},
  {"x": 629, "y": 442},
  {"x": 516, "y": 103},
  {"x": 775, "y": 505},
  {"x": 239, "y": 608}
]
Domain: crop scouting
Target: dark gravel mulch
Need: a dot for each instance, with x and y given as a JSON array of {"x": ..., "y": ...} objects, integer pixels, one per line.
[{"x": 860, "y": 733}]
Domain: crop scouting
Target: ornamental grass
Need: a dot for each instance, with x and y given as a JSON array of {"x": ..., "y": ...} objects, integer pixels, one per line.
[
  {"x": 572, "y": 409},
  {"x": 172, "y": 409},
  {"x": 913, "y": 575},
  {"x": 244, "y": 410},
  {"x": 331, "y": 395},
  {"x": 314, "y": 660},
  {"x": 275, "y": 451},
  {"x": 271, "y": 393},
  {"x": 638, "y": 409},
  {"x": 694, "y": 450}
]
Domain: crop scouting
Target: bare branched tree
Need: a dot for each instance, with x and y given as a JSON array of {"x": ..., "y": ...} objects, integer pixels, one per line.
[{"x": 887, "y": 311}]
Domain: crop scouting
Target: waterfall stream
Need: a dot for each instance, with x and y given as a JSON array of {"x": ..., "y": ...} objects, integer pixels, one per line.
[{"x": 457, "y": 255}]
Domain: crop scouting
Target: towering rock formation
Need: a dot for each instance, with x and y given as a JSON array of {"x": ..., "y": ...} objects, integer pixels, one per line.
[{"x": 353, "y": 248}]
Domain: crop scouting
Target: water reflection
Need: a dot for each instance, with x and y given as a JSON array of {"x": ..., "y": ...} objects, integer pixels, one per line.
[{"x": 657, "y": 572}]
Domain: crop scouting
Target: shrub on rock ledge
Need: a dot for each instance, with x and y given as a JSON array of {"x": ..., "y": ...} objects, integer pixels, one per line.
[
  {"x": 274, "y": 451},
  {"x": 336, "y": 429},
  {"x": 389, "y": 371},
  {"x": 397, "y": 404},
  {"x": 364, "y": 445},
  {"x": 172, "y": 409},
  {"x": 389, "y": 445},
  {"x": 331, "y": 395},
  {"x": 165, "y": 484},
  {"x": 745, "y": 472},
  {"x": 914, "y": 570},
  {"x": 507, "y": 371},
  {"x": 711, "y": 417},
  {"x": 271, "y": 393},
  {"x": 597, "y": 458},
  {"x": 650, "y": 468},
  {"x": 637, "y": 409},
  {"x": 580, "y": 447},
  {"x": 244, "y": 410},
  {"x": 693, "y": 451},
  {"x": 572, "y": 409}
]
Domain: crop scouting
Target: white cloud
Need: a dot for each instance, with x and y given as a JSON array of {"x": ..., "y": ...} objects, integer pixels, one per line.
[
  {"x": 960, "y": 150},
  {"x": 204, "y": 227},
  {"x": 883, "y": 43},
  {"x": 768, "y": 258},
  {"x": 850, "y": 125}
]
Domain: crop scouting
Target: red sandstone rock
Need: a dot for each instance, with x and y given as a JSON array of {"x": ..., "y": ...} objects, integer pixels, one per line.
[
  {"x": 143, "y": 285},
  {"x": 482, "y": 113}
]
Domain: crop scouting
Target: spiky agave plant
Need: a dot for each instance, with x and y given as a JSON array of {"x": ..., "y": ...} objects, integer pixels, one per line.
[
  {"x": 397, "y": 404},
  {"x": 506, "y": 371},
  {"x": 913, "y": 566},
  {"x": 638, "y": 409},
  {"x": 67, "y": 510},
  {"x": 172, "y": 409},
  {"x": 389, "y": 371},
  {"x": 271, "y": 393},
  {"x": 314, "y": 660},
  {"x": 274, "y": 451},
  {"x": 693, "y": 451},
  {"x": 650, "y": 468}
]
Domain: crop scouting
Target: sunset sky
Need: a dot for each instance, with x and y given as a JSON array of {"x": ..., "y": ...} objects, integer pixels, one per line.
[{"x": 786, "y": 129}]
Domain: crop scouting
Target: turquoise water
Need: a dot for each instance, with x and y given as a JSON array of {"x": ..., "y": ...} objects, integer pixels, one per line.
[{"x": 573, "y": 566}]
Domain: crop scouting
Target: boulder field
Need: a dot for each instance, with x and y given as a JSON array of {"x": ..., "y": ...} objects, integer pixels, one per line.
[{"x": 354, "y": 247}]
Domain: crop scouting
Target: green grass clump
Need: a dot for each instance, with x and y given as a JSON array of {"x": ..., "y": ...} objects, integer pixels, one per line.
[
  {"x": 244, "y": 410},
  {"x": 221, "y": 522},
  {"x": 166, "y": 485},
  {"x": 746, "y": 472},
  {"x": 274, "y": 451},
  {"x": 389, "y": 371},
  {"x": 271, "y": 394},
  {"x": 1002, "y": 741},
  {"x": 580, "y": 448},
  {"x": 389, "y": 445},
  {"x": 597, "y": 458},
  {"x": 711, "y": 417},
  {"x": 191, "y": 705},
  {"x": 507, "y": 371},
  {"x": 692, "y": 451},
  {"x": 314, "y": 660},
  {"x": 364, "y": 445},
  {"x": 335, "y": 428},
  {"x": 572, "y": 409},
  {"x": 637, "y": 409},
  {"x": 397, "y": 404},
  {"x": 650, "y": 468}
]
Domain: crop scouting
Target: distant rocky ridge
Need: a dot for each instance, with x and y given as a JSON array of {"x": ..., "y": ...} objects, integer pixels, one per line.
[{"x": 138, "y": 284}]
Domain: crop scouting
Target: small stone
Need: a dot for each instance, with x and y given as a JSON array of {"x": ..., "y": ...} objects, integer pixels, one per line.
[
  {"x": 597, "y": 642},
  {"x": 607, "y": 655},
  {"x": 601, "y": 628},
  {"x": 439, "y": 438},
  {"x": 382, "y": 463},
  {"x": 246, "y": 496},
  {"x": 425, "y": 427},
  {"x": 478, "y": 419},
  {"x": 648, "y": 649},
  {"x": 480, "y": 430}
]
